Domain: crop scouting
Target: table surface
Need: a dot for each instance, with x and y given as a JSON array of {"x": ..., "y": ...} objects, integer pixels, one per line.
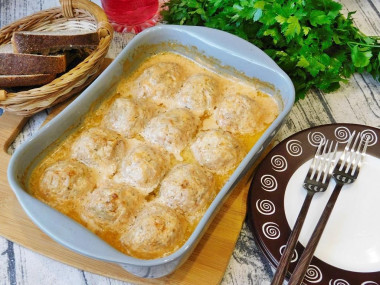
[{"x": 358, "y": 101}]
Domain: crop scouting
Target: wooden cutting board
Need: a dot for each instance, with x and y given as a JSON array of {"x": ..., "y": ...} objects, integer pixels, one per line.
[{"x": 206, "y": 265}]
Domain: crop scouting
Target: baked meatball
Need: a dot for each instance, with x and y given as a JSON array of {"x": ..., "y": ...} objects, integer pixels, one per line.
[
  {"x": 99, "y": 148},
  {"x": 172, "y": 130},
  {"x": 198, "y": 93},
  {"x": 269, "y": 108},
  {"x": 216, "y": 150},
  {"x": 159, "y": 82},
  {"x": 64, "y": 181},
  {"x": 109, "y": 207},
  {"x": 156, "y": 231},
  {"x": 127, "y": 117},
  {"x": 242, "y": 114},
  {"x": 188, "y": 188},
  {"x": 143, "y": 167}
]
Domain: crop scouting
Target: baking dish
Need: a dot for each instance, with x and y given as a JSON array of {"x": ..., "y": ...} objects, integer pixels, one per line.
[{"x": 230, "y": 54}]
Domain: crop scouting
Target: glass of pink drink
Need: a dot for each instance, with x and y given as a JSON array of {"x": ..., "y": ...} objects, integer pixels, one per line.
[{"x": 131, "y": 15}]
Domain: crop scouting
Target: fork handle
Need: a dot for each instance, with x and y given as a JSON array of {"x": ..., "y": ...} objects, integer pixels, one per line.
[
  {"x": 307, "y": 255},
  {"x": 282, "y": 267}
]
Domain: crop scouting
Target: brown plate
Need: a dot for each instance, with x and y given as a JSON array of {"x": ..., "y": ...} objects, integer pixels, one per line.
[{"x": 349, "y": 250}]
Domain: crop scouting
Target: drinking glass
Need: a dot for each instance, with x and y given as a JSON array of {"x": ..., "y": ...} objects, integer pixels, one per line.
[{"x": 131, "y": 15}]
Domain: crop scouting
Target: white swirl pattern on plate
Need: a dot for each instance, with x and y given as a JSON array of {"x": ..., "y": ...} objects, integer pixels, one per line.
[
  {"x": 268, "y": 183},
  {"x": 271, "y": 230},
  {"x": 294, "y": 255},
  {"x": 316, "y": 138},
  {"x": 371, "y": 136},
  {"x": 294, "y": 148},
  {"x": 279, "y": 163},
  {"x": 265, "y": 207},
  {"x": 338, "y": 282},
  {"x": 342, "y": 134},
  {"x": 313, "y": 274},
  {"x": 369, "y": 283}
]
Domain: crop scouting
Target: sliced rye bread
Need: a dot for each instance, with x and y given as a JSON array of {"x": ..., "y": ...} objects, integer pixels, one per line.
[
  {"x": 51, "y": 42},
  {"x": 3, "y": 96},
  {"x": 7, "y": 81},
  {"x": 24, "y": 64}
]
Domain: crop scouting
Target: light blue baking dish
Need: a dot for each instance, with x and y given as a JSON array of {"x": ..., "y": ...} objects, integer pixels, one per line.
[{"x": 225, "y": 50}]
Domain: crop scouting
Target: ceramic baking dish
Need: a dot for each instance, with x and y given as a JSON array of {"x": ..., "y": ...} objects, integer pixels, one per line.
[{"x": 226, "y": 52}]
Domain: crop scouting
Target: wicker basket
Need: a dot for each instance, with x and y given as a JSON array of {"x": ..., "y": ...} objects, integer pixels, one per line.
[{"x": 74, "y": 14}]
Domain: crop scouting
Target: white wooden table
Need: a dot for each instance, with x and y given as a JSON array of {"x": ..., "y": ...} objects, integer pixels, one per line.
[{"x": 356, "y": 102}]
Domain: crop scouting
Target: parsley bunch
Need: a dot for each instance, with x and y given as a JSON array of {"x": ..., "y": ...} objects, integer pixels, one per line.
[{"x": 309, "y": 39}]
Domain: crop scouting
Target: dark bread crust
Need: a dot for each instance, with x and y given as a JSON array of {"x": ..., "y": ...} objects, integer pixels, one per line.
[
  {"x": 45, "y": 42},
  {"x": 25, "y": 80},
  {"x": 18, "y": 64}
]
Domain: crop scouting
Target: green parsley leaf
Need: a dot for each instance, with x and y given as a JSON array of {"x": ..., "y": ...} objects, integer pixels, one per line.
[
  {"x": 318, "y": 17},
  {"x": 360, "y": 57},
  {"x": 310, "y": 40}
]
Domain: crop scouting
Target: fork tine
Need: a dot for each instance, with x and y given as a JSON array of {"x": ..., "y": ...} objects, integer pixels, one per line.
[
  {"x": 334, "y": 158},
  {"x": 359, "y": 154},
  {"x": 326, "y": 164},
  {"x": 342, "y": 158},
  {"x": 364, "y": 151},
  {"x": 321, "y": 160},
  {"x": 351, "y": 156},
  {"x": 315, "y": 161},
  {"x": 356, "y": 152},
  {"x": 330, "y": 160}
]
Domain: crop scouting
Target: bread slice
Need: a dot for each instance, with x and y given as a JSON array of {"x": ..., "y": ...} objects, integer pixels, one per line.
[
  {"x": 50, "y": 42},
  {"x": 18, "y": 64},
  {"x": 25, "y": 80},
  {"x": 3, "y": 96}
]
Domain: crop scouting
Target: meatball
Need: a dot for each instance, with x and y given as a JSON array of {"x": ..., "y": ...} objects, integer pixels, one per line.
[
  {"x": 63, "y": 181},
  {"x": 143, "y": 168},
  {"x": 159, "y": 82},
  {"x": 216, "y": 150},
  {"x": 108, "y": 207},
  {"x": 269, "y": 108},
  {"x": 188, "y": 188},
  {"x": 172, "y": 130},
  {"x": 127, "y": 117},
  {"x": 239, "y": 114},
  {"x": 198, "y": 93},
  {"x": 156, "y": 231},
  {"x": 99, "y": 148}
]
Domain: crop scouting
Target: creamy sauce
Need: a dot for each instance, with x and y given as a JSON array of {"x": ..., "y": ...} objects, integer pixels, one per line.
[{"x": 226, "y": 86}]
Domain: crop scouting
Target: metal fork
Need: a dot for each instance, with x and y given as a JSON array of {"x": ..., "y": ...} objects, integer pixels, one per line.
[
  {"x": 317, "y": 180},
  {"x": 345, "y": 172}
]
